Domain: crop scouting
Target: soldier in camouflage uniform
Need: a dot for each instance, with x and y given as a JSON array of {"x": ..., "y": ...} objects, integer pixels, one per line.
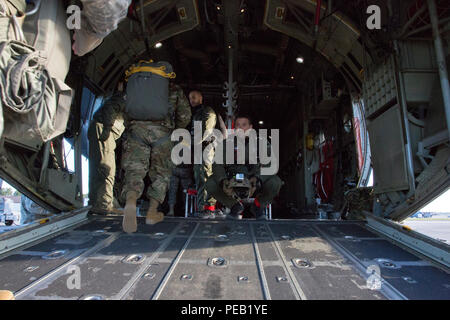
[
  {"x": 107, "y": 127},
  {"x": 148, "y": 151},
  {"x": 207, "y": 116}
]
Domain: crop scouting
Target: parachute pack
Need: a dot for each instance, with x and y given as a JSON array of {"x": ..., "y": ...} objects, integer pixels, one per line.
[{"x": 148, "y": 90}]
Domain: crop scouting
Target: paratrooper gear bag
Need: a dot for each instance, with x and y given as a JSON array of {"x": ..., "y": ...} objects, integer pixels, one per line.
[
  {"x": 148, "y": 90},
  {"x": 34, "y": 61}
]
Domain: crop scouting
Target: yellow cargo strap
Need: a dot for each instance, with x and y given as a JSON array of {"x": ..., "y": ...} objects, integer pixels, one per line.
[
  {"x": 156, "y": 70},
  {"x": 145, "y": 61}
]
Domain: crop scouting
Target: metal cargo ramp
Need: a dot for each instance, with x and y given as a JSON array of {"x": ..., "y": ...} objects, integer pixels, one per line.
[{"x": 238, "y": 260}]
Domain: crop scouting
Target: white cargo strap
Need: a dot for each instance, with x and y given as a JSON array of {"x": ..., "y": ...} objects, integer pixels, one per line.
[
  {"x": 36, "y": 6},
  {"x": 5, "y": 13}
]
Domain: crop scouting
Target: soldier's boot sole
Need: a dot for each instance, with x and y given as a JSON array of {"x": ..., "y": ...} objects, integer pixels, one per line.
[
  {"x": 6, "y": 295},
  {"x": 129, "y": 223}
]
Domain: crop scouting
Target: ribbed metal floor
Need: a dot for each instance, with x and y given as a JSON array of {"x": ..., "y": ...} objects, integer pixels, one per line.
[{"x": 191, "y": 259}]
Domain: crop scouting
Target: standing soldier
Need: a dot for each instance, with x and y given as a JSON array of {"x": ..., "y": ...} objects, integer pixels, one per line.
[
  {"x": 207, "y": 116},
  {"x": 107, "y": 127},
  {"x": 181, "y": 174},
  {"x": 148, "y": 148},
  {"x": 182, "y": 118}
]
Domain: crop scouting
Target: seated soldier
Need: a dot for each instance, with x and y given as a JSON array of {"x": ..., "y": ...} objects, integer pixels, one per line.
[{"x": 228, "y": 181}]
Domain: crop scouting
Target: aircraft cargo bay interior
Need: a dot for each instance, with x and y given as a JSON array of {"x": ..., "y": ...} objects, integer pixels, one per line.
[{"x": 225, "y": 149}]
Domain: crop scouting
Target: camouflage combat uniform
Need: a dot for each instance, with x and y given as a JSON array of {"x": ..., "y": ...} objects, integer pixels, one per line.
[
  {"x": 202, "y": 171},
  {"x": 148, "y": 148},
  {"x": 102, "y": 159},
  {"x": 270, "y": 184}
]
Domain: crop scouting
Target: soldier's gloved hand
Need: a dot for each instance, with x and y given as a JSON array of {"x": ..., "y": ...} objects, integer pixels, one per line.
[
  {"x": 226, "y": 187},
  {"x": 255, "y": 184},
  {"x": 105, "y": 133}
]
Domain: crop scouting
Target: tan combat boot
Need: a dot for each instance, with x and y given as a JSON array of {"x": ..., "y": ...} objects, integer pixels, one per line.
[
  {"x": 153, "y": 215},
  {"x": 106, "y": 211},
  {"x": 116, "y": 211},
  {"x": 129, "y": 222},
  {"x": 6, "y": 295}
]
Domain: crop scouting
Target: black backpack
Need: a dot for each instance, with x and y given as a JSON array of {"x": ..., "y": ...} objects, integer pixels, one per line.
[{"x": 148, "y": 90}]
